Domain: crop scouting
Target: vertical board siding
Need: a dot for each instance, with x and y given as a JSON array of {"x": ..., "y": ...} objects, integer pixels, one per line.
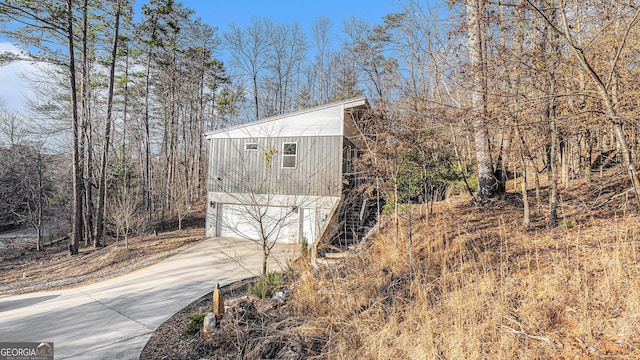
[{"x": 232, "y": 169}]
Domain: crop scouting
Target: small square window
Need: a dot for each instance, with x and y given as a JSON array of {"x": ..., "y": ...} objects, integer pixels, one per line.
[
  {"x": 250, "y": 146},
  {"x": 289, "y": 155},
  {"x": 289, "y": 148}
]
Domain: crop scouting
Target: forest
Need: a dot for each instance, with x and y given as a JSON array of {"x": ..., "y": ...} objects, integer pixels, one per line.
[{"x": 465, "y": 96}]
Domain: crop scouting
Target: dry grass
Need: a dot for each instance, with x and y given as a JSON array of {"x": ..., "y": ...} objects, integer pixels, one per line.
[{"x": 476, "y": 285}]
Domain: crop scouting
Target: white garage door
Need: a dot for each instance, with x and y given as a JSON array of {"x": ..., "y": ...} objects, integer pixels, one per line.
[{"x": 245, "y": 222}]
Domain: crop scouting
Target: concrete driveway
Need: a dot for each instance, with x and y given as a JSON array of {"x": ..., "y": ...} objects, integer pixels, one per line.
[{"x": 114, "y": 319}]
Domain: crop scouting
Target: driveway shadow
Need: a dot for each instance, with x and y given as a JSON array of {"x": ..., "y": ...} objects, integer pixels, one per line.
[{"x": 17, "y": 304}]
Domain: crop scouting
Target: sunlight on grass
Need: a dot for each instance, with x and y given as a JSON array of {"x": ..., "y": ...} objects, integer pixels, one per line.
[{"x": 482, "y": 287}]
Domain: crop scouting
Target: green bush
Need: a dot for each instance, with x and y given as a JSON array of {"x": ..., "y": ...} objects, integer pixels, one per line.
[
  {"x": 567, "y": 224},
  {"x": 473, "y": 182},
  {"x": 267, "y": 285},
  {"x": 458, "y": 187},
  {"x": 195, "y": 323}
]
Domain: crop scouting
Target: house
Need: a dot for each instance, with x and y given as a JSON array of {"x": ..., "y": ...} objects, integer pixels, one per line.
[{"x": 283, "y": 178}]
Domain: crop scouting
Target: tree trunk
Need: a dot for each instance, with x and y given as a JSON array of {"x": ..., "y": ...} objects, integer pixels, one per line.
[
  {"x": 102, "y": 197},
  {"x": 565, "y": 153},
  {"x": 40, "y": 202},
  {"x": 147, "y": 140},
  {"x": 86, "y": 146},
  {"x": 550, "y": 48},
  {"x": 589, "y": 155},
  {"x": 76, "y": 235},
  {"x": 501, "y": 163},
  {"x": 200, "y": 162},
  {"x": 487, "y": 182},
  {"x": 526, "y": 216},
  {"x": 265, "y": 257},
  {"x": 147, "y": 150},
  {"x": 255, "y": 95},
  {"x": 553, "y": 172}
]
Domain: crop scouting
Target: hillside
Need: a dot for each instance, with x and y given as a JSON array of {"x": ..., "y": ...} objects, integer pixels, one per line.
[
  {"x": 477, "y": 285},
  {"x": 471, "y": 284}
]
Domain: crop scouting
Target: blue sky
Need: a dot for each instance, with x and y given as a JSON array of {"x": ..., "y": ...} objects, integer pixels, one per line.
[{"x": 220, "y": 14}]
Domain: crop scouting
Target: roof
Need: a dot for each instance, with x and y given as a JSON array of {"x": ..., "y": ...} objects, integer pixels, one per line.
[{"x": 324, "y": 120}]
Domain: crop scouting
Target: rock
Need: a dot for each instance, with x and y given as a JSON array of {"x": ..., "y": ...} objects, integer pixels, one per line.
[
  {"x": 210, "y": 323},
  {"x": 227, "y": 320},
  {"x": 279, "y": 347},
  {"x": 278, "y": 297},
  {"x": 293, "y": 351},
  {"x": 245, "y": 310},
  {"x": 269, "y": 348}
]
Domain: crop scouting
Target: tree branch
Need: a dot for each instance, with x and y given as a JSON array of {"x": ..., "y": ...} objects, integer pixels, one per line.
[
  {"x": 622, "y": 44},
  {"x": 521, "y": 331}
]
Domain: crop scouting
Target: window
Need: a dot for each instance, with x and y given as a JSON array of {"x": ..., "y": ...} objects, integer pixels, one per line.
[
  {"x": 250, "y": 146},
  {"x": 289, "y": 155}
]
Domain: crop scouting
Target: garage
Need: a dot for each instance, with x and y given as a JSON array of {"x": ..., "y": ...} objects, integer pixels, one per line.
[{"x": 244, "y": 221}]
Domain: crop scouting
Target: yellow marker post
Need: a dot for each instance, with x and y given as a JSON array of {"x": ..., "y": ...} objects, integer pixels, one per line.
[{"x": 218, "y": 302}]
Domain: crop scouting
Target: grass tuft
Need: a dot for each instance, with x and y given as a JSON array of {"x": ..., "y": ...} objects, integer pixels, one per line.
[
  {"x": 266, "y": 285},
  {"x": 195, "y": 323}
]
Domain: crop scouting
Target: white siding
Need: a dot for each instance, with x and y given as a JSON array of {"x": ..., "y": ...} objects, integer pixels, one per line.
[
  {"x": 296, "y": 201},
  {"x": 327, "y": 120},
  {"x": 318, "y": 170}
]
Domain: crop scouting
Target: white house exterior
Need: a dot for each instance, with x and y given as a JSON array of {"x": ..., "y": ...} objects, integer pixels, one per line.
[{"x": 282, "y": 178}]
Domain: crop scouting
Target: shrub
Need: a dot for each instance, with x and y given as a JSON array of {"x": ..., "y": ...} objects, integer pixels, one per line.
[
  {"x": 567, "y": 224},
  {"x": 195, "y": 323},
  {"x": 458, "y": 187},
  {"x": 266, "y": 285}
]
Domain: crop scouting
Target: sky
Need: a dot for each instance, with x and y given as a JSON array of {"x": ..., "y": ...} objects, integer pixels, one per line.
[
  {"x": 13, "y": 87},
  {"x": 220, "y": 14}
]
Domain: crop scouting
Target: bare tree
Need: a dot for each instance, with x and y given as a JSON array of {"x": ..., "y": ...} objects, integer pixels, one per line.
[
  {"x": 123, "y": 212},
  {"x": 10, "y": 126},
  {"x": 249, "y": 48},
  {"x": 321, "y": 33},
  {"x": 100, "y": 232},
  {"x": 602, "y": 80},
  {"x": 487, "y": 182},
  {"x": 26, "y": 187},
  {"x": 287, "y": 49},
  {"x": 41, "y": 24}
]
